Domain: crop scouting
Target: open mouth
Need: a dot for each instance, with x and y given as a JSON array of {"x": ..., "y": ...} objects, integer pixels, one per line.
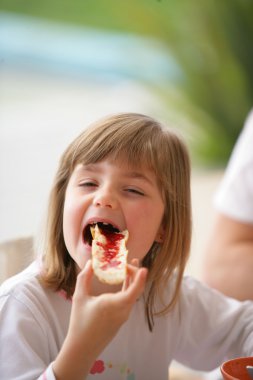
[{"x": 106, "y": 228}]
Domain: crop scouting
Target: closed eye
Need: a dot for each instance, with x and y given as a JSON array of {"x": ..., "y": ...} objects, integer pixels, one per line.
[
  {"x": 88, "y": 184},
  {"x": 134, "y": 191}
]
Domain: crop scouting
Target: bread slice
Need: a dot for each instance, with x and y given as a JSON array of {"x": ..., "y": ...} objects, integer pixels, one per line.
[{"x": 109, "y": 255}]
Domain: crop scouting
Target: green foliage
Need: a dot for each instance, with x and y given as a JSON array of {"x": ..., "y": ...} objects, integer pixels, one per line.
[{"x": 211, "y": 41}]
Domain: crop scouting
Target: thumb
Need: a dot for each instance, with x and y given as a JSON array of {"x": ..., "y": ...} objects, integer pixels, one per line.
[{"x": 83, "y": 283}]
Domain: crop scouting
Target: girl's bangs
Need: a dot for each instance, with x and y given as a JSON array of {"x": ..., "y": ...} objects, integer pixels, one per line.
[{"x": 138, "y": 152}]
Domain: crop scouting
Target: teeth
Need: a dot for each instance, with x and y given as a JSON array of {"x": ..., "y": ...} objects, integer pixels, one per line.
[
  {"x": 96, "y": 222},
  {"x": 105, "y": 224}
]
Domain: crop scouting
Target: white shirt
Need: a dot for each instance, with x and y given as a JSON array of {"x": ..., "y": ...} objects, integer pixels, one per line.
[
  {"x": 235, "y": 195},
  {"x": 203, "y": 330}
]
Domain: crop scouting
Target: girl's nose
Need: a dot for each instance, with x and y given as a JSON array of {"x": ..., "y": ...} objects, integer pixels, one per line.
[{"x": 105, "y": 199}]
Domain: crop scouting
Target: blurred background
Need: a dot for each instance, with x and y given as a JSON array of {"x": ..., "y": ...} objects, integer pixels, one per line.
[{"x": 64, "y": 64}]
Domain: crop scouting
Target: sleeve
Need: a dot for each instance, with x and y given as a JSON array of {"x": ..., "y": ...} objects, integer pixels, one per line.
[
  {"x": 213, "y": 327},
  {"x": 24, "y": 353},
  {"x": 48, "y": 374},
  {"x": 234, "y": 197}
]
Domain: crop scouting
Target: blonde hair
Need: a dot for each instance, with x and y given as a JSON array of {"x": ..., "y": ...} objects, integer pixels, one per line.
[{"x": 138, "y": 139}]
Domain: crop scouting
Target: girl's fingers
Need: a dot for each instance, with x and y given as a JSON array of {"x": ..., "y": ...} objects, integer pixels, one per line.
[
  {"x": 132, "y": 288},
  {"x": 131, "y": 272},
  {"x": 125, "y": 283},
  {"x": 135, "y": 262},
  {"x": 132, "y": 269},
  {"x": 83, "y": 284},
  {"x": 137, "y": 285}
]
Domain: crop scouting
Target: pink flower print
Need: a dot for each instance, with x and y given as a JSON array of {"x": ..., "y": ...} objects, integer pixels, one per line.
[{"x": 98, "y": 367}]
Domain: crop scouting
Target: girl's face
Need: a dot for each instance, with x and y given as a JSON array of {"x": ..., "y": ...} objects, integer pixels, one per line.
[{"x": 115, "y": 193}]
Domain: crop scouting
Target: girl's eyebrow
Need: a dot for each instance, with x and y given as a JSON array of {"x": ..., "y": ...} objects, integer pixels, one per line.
[
  {"x": 138, "y": 175},
  {"x": 85, "y": 168}
]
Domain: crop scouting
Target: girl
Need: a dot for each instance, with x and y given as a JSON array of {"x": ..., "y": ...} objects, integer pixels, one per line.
[{"x": 58, "y": 322}]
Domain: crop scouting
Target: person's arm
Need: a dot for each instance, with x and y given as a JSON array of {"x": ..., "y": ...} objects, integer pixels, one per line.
[
  {"x": 94, "y": 321},
  {"x": 228, "y": 262},
  {"x": 213, "y": 327}
]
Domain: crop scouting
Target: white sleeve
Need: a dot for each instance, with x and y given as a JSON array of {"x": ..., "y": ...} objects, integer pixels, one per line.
[
  {"x": 48, "y": 374},
  {"x": 24, "y": 353},
  {"x": 235, "y": 195},
  {"x": 213, "y": 327}
]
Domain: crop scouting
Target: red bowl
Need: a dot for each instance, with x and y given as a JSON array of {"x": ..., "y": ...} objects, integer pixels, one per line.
[{"x": 235, "y": 369}]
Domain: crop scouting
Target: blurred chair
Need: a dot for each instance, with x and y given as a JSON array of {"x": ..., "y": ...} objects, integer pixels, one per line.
[{"x": 15, "y": 255}]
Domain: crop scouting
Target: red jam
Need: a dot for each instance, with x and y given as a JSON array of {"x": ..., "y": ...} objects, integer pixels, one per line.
[{"x": 111, "y": 248}]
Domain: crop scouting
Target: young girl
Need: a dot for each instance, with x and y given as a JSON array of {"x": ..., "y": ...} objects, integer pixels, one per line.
[{"x": 57, "y": 321}]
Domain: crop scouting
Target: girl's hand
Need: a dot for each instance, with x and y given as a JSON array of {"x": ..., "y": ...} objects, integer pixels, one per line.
[
  {"x": 100, "y": 317},
  {"x": 95, "y": 320}
]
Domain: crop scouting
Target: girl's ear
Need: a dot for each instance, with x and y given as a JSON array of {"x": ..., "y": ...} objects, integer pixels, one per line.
[{"x": 160, "y": 235}]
